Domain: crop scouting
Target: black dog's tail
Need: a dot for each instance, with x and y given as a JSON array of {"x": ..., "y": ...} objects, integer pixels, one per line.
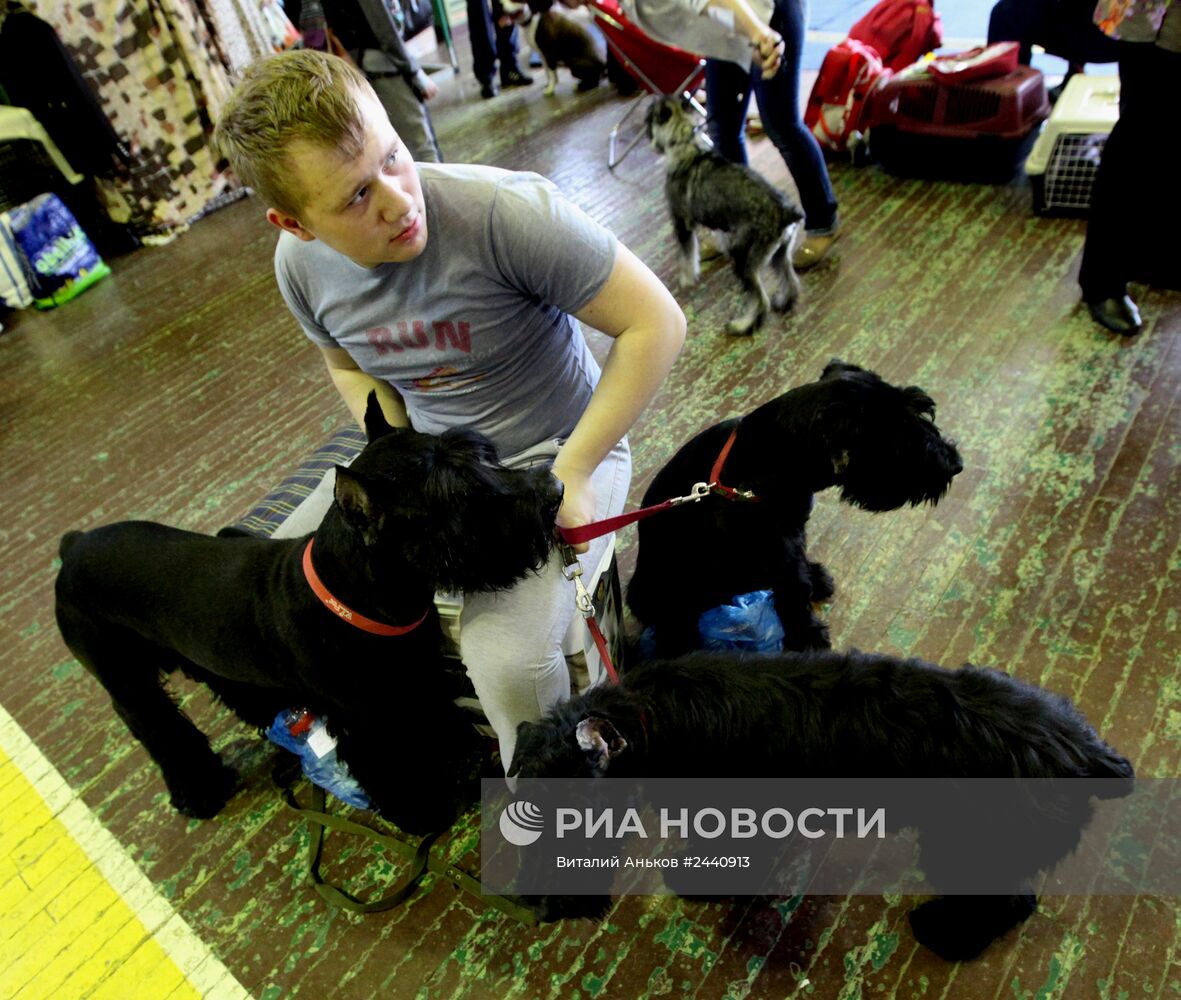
[{"x": 67, "y": 542}]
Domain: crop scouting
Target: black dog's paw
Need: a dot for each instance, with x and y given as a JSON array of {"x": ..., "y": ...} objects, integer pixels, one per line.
[
  {"x": 203, "y": 796},
  {"x": 822, "y": 586},
  {"x": 959, "y": 928},
  {"x": 548, "y": 909}
]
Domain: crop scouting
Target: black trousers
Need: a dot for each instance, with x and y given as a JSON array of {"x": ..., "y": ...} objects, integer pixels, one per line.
[
  {"x": 490, "y": 40},
  {"x": 1062, "y": 27},
  {"x": 1136, "y": 200}
]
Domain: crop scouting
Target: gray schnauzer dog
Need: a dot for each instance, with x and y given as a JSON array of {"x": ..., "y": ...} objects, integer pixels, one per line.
[
  {"x": 878, "y": 443},
  {"x": 342, "y": 623},
  {"x": 703, "y": 188},
  {"x": 824, "y": 714}
]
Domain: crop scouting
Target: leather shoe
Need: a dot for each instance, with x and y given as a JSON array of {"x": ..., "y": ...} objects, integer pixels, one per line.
[
  {"x": 515, "y": 78},
  {"x": 1118, "y": 315},
  {"x": 812, "y": 251},
  {"x": 489, "y": 89}
]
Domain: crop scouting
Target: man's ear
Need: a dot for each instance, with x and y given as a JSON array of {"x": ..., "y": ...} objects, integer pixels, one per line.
[{"x": 289, "y": 223}]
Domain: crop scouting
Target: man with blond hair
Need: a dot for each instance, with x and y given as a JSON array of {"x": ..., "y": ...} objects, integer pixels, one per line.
[{"x": 455, "y": 291}]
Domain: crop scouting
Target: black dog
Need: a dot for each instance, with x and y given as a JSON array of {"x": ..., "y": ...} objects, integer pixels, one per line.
[
  {"x": 413, "y": 514},
  {"x": 703, "y": 188},
  {"x": 823, "y": 714},
  {"x": 877, "y": 442}
]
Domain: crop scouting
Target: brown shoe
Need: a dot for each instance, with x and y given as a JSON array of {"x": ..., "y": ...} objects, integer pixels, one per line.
[{"x": 813, "y": 250}]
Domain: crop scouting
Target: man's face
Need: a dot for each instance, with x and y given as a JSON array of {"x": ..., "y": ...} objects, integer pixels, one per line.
[{"x": 369, "y": 208}]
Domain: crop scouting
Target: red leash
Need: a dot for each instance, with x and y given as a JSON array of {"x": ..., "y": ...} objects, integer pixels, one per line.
[
  {"x": 585, "y": 532},
  {"x": 586, "y": 605}
]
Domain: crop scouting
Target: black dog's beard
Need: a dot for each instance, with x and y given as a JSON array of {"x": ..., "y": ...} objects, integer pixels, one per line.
[
  {"x": 891, "y": 487},
  {"x": 492, "y": 551}
]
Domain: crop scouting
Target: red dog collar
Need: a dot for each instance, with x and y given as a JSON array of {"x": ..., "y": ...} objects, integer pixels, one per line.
[{"x": 343, "y": 611}]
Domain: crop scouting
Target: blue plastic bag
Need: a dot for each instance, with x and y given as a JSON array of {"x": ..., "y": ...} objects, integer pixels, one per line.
[
  {"x": 63, "y": 260},
  {"x": 307, "y": 737},
  {"x": 750, "y": 623}
]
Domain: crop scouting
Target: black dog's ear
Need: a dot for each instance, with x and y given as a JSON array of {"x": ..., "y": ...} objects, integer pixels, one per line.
[
  {"x": 918, "y": 401},
  {"x": 599, "y": 740},
  {"x": 375, "y": 422},
  {"x": 836, "y": 366},
  {"x": 356, "y": 502}
]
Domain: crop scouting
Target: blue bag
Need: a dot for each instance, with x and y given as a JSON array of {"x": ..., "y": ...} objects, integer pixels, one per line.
[
  {"x": 750, "y": 623},
  {"x": 307, "y": 737}
]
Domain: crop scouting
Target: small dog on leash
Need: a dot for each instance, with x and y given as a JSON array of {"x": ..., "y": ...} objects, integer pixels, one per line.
[
  {"x": 824, "y": 714},
  {"x": 878, "y": 443},
  {"x": 561, "y": 40},
  {"x": 702, "y": 188},
  {"x": 342, "y": 623}
]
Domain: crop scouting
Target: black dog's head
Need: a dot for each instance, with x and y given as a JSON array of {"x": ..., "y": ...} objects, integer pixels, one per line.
[
  {"x": 444, "y": 505},
  {"x": 581, "y": 738},
  {"x": 881, "y": 440}
]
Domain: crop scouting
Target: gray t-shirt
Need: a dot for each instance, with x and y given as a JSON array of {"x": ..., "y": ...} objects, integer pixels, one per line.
[{"x": 476, "y": 330}]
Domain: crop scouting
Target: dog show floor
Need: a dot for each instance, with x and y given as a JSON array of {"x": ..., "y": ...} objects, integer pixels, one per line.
[{"x": 180, "y": 390}]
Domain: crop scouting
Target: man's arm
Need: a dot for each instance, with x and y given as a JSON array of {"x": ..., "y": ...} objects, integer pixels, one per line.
[
  {"x": 385, "y": 31},
  {"x": 355, "y": 385},
  {"x": 648, "y": 328}
]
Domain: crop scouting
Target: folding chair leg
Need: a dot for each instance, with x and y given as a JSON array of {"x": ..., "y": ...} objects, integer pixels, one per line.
[
  {"x": 684, "y": 90},
  {"x": 612, "y": 138}
]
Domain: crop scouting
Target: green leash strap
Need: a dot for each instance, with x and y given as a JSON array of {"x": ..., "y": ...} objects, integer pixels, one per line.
[
  {"x": 421, "y": 861},
  {"x": 462, "y": 880},
  {"x": 321, "y": 821}
]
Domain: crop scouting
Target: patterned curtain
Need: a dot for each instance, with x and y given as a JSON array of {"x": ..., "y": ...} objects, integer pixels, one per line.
[{"x": 161, "y": 70}]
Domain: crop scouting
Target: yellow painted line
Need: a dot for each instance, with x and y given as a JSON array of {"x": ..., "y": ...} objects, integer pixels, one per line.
[{"x": 78, "y": 919}]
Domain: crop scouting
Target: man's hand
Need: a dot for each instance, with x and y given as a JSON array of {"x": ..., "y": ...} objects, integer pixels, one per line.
[
  {"x": 578, "y": 501},
  {"x": 424, "y": 87}
]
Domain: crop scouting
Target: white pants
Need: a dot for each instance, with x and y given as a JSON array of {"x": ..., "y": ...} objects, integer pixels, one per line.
[{"x": 511, "y": 641}]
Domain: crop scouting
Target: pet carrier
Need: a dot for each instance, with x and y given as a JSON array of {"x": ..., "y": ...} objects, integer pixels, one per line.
[
  {"x": 1065, "y": 158},
  {"x": 975, "y": 131}
]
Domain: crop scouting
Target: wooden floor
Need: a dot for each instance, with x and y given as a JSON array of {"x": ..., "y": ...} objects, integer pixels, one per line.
[{"x": 179, "y": 390}]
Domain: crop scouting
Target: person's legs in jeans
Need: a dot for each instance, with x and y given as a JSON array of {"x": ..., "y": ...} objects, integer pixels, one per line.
[
  {"x": 727, "y": 96},
  {"x": 779, "y": 106},
  {"x": 507, "y": 48},
  {"x": 480, "y": 33}
]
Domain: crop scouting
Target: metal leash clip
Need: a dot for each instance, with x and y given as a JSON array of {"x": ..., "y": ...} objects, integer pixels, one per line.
[
  {"x": 699, "y": 492},
  {"x": 573, "y": 571}
]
